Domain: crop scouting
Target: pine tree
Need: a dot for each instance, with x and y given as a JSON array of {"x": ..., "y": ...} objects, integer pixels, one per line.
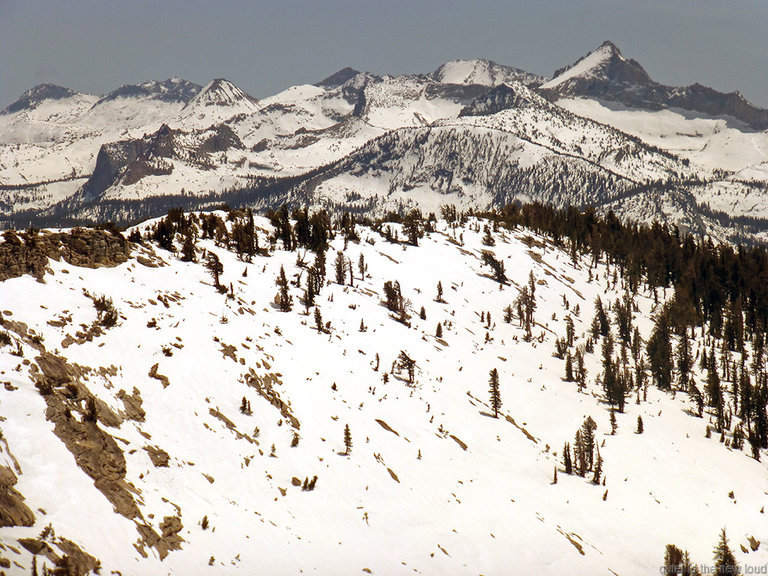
[
  {"x": 684, "y": 360},
  {"x": 598, "y": 469},
  {"x": 188, "y": 248},
  {"x": 439, "y": 292},
  {"x": 495, "y": 394},
  {"x": 639, "y": 424},
  {"x": 284, "y": 299},
  {"x": 439, "y": 330},
  {"x": 361, "y": 266},
  {"x": 569, "y": 330},
  {"x": 673, "y": 560},
  {"x": 659, "y": 350},
  {"x": 725, "y": 561},
  {"x": 347, "y": 440},
  {"x": 214, "y": 267},
  {"x": 567, "y": 464},
  {"x": 340, "y": 265},
  {"x": 568, "y": 368},
  {"x": 405, "y": 362}
]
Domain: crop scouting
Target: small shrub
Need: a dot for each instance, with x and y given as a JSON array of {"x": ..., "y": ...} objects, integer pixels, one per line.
[{"x": 106, "y": 312}]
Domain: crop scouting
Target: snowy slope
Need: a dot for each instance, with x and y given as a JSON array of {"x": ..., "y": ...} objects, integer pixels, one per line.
[
  {"x": 218, "y": 101},
  {"x": 483, "y": 72},
  {"x": 433, "y": 484}
]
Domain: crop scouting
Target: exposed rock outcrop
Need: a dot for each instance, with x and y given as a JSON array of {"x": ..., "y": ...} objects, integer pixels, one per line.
[
  {"x": 28, "y": 252},
  {"x": 13, "y": 511}
]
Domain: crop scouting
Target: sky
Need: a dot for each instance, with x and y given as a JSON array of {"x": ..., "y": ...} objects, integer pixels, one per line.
[{"x": 265, "y": 46}]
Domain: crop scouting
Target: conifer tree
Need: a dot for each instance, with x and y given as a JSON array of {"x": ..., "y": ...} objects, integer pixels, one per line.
[
  {"x": 725, "y": 561},
  {"x": 439, "y": 330},
  {"x": 215, "y": 268},
  {"x": 684, "y": 360},
  {"x": 347, "y": 440},
  {"x": 639, "y": 424},
  {"x": 495, "y": 393},
  {"x": 659, "y": 350},
  {"x": 598, "y": 469},
  {"x": 340, "y": 265},
  {"x": 567, "y": 464},
  {"x": 568, "y": 368},
  {"x": 188, "y": 248},
  {"x": 284, "y": 299}
]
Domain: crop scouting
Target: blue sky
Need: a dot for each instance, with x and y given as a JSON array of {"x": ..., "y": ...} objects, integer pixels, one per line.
[{"x": 266, "y": 46}]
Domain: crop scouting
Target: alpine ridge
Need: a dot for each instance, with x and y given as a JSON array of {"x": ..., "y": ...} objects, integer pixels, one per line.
[{"x": 600, "y": 133}]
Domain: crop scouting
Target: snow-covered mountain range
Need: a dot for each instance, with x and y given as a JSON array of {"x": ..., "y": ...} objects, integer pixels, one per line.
[
  {"x": 473, "y": 133},
  {"x": 152, "y": 424}
]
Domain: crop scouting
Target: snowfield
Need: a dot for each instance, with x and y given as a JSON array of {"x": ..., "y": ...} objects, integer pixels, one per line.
[{"x": 434, "y": 484}]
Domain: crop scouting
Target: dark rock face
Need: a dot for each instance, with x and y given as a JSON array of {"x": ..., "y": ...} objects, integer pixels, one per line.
[
  {"x": 500, "y": 98},
  {"x": 13, "y": 511},
  {"x": 28, "y": 252},
  {"x": 132, "y": 160},
  {"x": 338, "y": 78},
  {"x": 34, "y": 96}
]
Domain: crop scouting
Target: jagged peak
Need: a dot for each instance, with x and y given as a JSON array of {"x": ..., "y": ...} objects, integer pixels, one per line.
[
  {"x": 604, "y": 63},
  {"x": 171, "y": 90},
  {"x": 34, "y": 96},
  {"x": 222, "y": 92}
]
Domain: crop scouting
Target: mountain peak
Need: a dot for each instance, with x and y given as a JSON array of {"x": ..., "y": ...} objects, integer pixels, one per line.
[
  {"x": 171, "y": 90},
  {"x": 34, "y": 96},
  {"x": 482, "y": 72},
  {"x": 222, "y": 92},
  {"x": 604, "y": 64},
  {"x": 338, "y": 78}
]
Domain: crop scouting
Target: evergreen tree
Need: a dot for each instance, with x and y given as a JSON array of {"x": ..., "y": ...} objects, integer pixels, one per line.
[
  {"x": 188, "y": 248},
  {"x": 567, "y": 464},
  {"x": 725, "y": 561},
  {"x": 497, "y": 266},
  {"x": 495, "y": 394},
  {"x": 639, "y": 424},
  {"x": 568, "y": 368},
  {"x": 601, "y": 325},
  {"x": 284, "y": 299},
  {"x": 684, "y": 360},
  {"x": 347, "y": 440},
  {"x": 215, "y": 268},
  {"x": 488, "y": 237},
  {"x": 340, "y": 265},
  {"x": 659, "y": 350},
  {"x": 405, "y": 362},
  {"x": 598, "y": 469},
  {"x": 439, "y": 330}
]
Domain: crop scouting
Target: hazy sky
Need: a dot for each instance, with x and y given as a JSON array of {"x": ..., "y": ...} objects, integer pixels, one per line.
[{"x": 266, "y": 46}]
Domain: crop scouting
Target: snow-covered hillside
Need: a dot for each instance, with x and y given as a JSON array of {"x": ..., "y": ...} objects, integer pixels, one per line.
[{"x": 222, "y": 418}]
